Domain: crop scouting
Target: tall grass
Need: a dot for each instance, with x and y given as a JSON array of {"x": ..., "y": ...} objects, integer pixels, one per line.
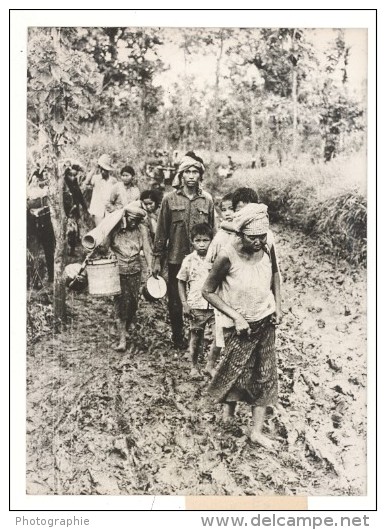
[{"x": 327, "y": 201}]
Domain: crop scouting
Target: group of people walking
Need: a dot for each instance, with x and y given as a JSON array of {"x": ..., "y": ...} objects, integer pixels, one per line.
[{"x": 222, "y": 272}]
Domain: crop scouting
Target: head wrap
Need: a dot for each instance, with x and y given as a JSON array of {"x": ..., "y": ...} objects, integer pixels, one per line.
[
  {"x": 252, "y": 219},
  {"x": 134, "y": 211},
  {"x": 189, "y": 160}
]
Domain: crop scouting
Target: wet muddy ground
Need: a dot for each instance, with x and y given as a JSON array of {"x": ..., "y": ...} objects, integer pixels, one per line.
[{"x": 106, "y": 423}]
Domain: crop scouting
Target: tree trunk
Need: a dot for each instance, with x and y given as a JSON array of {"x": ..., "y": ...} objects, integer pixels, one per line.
[
  {"x": 294, "y": 110},
  {"x": 59, "y": 222},
  {"x": 214, "y": 128},
  {"x": 253, "y": 121},
  {"x": 294, "y": 95}
]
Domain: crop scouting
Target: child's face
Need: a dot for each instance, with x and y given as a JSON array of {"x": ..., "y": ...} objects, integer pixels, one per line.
[
  {"x": 127, "y": 178},
  {"x": 201, "y": 244},
  {"x": 227, "y": 210},
  {"x": 149, "y": 205}
]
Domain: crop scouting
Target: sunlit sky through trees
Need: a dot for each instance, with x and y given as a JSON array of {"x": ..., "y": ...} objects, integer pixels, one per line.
[{"x": 201, "y": 63}]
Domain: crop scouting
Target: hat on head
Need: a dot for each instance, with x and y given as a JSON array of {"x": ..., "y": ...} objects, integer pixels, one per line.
[{"x": 104, "y": 162}]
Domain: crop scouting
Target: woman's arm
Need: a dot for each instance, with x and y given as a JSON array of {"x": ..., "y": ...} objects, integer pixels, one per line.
[
  {"x": 217, "y": 274},
  {"x": 146, "y": 245},
  {"x": 113, "y": 203},
  {"x": 89, "y": 176},
  {"x": 276, "y": 288},
  {"x": 104, "y": 247}
]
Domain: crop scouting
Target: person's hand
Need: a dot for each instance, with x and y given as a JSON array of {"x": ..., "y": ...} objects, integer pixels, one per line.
[
  {"x": 186, "y": 310},
  {"x": 277, "y": 317},
  {"x": 156, "y": 267},
  {"x": 241, "y": 325},
  {"x": 149, "y": 271}
]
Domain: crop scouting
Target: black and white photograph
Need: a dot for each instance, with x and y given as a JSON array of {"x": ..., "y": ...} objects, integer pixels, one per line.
[{"x": 196, "y": 261}]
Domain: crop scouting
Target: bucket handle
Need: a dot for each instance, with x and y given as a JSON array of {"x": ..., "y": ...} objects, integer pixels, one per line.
[{"x": 82, "y": 267}]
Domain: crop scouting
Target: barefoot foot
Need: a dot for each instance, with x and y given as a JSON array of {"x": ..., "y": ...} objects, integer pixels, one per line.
[
  {"x": 195, "y": 374},
  {"x": 261, "y": 439}
]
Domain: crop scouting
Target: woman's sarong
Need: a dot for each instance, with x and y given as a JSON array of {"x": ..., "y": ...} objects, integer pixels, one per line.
[
  {"x": 248, "y": 370},
  {"x": 126, "y": 303}
]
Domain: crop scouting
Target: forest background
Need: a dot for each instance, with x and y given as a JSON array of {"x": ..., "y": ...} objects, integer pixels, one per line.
[
  {"x": 323, "y": 179},
  {"x": 288, "y": 101}
]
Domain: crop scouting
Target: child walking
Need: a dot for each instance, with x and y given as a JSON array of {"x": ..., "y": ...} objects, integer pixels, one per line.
[
  {"x": 126, "y": 241},
  {"x": 191, "y": 277}
]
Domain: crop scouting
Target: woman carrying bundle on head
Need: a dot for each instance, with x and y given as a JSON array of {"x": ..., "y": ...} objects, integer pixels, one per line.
[
  {"x": 126, "y": 240},
  {"x": 244, "y": 284}
]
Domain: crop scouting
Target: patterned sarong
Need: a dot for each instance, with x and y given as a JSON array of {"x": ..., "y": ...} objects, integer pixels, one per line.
[
  {"x": 248, "y": 370},
  {"x": 126, "y": 303}
]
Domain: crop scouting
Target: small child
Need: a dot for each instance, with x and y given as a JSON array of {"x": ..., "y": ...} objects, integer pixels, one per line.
[
  {"x": 191, "y": 277},
  {"x": 126, "y": 241},
  {"x": 222, "y": 236},
  {"x": 220, "y": 240}
]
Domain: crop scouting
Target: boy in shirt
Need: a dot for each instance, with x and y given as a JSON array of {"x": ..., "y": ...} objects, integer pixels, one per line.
[{"x": 191, "y": 277}]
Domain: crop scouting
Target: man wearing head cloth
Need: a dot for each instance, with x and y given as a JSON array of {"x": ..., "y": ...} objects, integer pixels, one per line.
[{"x": 180, "y": 210}]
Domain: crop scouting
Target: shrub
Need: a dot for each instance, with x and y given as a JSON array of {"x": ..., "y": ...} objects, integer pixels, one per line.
[
  {"x": 39, "y": 320},
  {"x": 322, "y": 200}
]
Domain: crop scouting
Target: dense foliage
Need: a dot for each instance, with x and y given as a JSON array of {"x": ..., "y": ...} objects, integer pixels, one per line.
[{"x": 271, "y": 93}]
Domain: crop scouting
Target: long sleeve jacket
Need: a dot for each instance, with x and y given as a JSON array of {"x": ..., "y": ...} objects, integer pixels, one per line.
[{"x": 177, "y": 216}]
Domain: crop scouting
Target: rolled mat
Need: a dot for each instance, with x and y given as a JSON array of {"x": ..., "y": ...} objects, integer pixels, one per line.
[{"x": 98, "y": 234}]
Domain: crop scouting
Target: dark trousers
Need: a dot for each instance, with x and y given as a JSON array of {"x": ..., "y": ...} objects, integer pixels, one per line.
[
  {"x": 40, "y": 229},
  {"x": 174, "y": 302}
]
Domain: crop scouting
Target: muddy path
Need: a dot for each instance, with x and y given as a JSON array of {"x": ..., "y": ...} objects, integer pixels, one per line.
[{"x": 102, "y": 422}]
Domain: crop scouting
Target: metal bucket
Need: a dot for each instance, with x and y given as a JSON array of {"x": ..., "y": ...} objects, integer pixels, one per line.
[{"x": 103, "y": 277}]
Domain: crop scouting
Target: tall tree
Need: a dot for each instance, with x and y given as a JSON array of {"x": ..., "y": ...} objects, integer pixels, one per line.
[
  {"x": 127, "y": 58},
  {"x": 283, "y": 57},
  {"x": 62, "y": 84}
]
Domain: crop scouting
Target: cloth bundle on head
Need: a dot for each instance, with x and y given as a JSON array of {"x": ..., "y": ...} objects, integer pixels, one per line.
[
  {"x": 135, "y": 211},
  {"x": 189, "y": 160},
  {"x": 252, "y": 219}
]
